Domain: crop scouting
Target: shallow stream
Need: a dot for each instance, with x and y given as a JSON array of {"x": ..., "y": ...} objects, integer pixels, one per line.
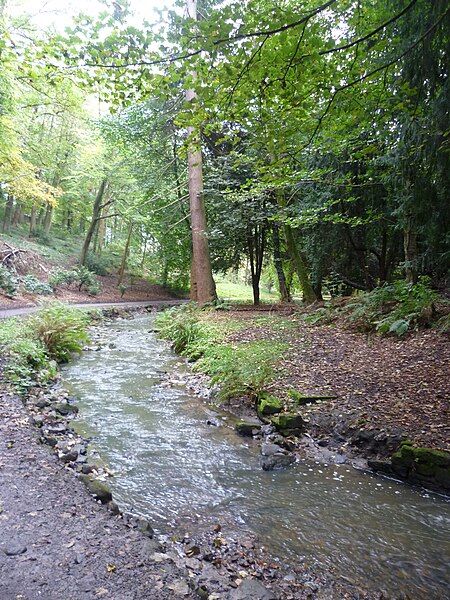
[{"x": 168, "y": 462}]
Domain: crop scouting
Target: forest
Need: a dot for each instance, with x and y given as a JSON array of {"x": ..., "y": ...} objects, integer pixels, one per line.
[
  {"x": 224, "y": 301},
  {"x": 307, "y": 148}
]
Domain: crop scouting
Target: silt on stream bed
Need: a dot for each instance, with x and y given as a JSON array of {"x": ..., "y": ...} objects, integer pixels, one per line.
[{"x": 169, "y": 463}]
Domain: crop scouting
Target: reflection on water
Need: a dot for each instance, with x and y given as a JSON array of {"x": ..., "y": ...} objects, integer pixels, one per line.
[{"x": 169, "y": 462}]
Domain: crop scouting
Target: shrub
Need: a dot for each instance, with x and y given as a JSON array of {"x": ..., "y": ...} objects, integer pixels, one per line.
[
  {"x": 393, "y": 308},
  {"x": 98, "y": 264},
  {"x": 81, "y": 276},
  {"x": 35, "y": 286},
  {"x": 62, "y": 330},
  {"x": 8, "y": 282}
]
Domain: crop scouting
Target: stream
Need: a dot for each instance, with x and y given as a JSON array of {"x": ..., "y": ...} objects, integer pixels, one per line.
[{"x": 168, "y": 463}]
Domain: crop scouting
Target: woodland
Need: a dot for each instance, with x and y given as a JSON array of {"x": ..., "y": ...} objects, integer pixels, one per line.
[{"x": 305, "y": 144}]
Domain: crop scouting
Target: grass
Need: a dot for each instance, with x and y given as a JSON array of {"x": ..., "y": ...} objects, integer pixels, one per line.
[
  {"x": 240, "y": 292},
  {"x": 35, "y": 345},
  {"x": 239, "y": 368},
  {"x": 57, "y": 250}
]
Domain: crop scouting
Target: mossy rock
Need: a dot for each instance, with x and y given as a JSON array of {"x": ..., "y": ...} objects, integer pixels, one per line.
[
  {"x": 246, "y": 429},
  {"x": 423, "y": 463},
  {"x": 269, "y": 405},
  {"x": 302, "y": 399},
  {"x": 97, "y": 488},
  {"x": 430, "y": 456},
  {"x": 287, "y": 423}
]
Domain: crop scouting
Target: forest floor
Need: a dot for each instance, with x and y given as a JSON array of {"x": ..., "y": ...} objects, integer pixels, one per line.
[
  {"x": 40, "y": 261},
  {"x": 383, "y": 389}
]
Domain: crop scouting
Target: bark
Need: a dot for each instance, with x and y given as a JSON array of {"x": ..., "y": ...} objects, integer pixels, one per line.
[
  {"x": 205, "y": 288},
  {"x": 283, "y": 289},
  {"x": 299, "y": 264},
  {"x": 33, "y": 221},
  {"x": 126, "y": 250},
  {"x": 8, "y": 213},
  {"x": 17, "y": 215},
  {"x": 256, "y": 241},
  {"x": 48, "y": 219},
  {"x": 92, "y": 225},
  {"x": 410, "y": 249}
]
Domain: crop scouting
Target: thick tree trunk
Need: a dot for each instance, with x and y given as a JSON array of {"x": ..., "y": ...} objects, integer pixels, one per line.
[
  {"x": 299, "y": 263},
  {"x": 205, "y": 287},
  {"x": 17, "y": 215},
  {"x": 92, "y": 225},
  {"x": 285, "y": 296},
  {"x": 8, "y": 213},
  {"x": 126, "y": 250}
]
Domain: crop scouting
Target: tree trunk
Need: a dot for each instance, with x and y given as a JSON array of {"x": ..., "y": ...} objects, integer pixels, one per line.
[
  {"x": 205, "y": 286},
  {"x": 48, "y": 219},
  {"x": 33, "y": 220},
  {"x": 95, "y": 216},
  {"x": 256, "y": 241},
  {"x": 17, "y": 215},
  {"x": 299, "y": 263},
  {"x": 123, "y": 264},
  {"x": 8, "y": 213},
  {"x": 410, "y": 249},
  {"x": 285, "y": 295}
]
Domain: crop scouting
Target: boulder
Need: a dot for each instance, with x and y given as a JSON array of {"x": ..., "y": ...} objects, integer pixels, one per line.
[
  {"x": 252, "y": 589},
  {"x": 64, "y": 408}
]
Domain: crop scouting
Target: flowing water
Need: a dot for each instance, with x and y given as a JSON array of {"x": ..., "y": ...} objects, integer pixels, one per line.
[{"x": 169, "y": 462}]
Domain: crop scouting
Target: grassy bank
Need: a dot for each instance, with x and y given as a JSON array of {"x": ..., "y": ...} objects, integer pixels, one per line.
[{"x": 33, "y": 346}]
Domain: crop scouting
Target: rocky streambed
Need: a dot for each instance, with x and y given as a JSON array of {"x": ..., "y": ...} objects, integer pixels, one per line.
[{"x": 180, "y": 466}]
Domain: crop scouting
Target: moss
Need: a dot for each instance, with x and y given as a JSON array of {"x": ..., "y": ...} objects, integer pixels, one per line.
[
  {"x": 302, "y": 399},
  {"x": 288, "y": 422},
  {"x": 430, "y": 456},
  {"x": 268, "y": 404},
  {"x": 423, "y": 462},
  {"x": 246, "y": 429}
]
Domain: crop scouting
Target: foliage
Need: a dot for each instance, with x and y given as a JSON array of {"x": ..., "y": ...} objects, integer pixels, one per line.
[
  {"x": 81, "y": 276},
  {"x": 31, "y": 346},
  {"x": 99, "y": 265},
  {"x": 240, "y": 369},
  {"x": 35, "y": 286},
  {"x": 61, "y": 329},
  {"x": 8, "y": 282}
]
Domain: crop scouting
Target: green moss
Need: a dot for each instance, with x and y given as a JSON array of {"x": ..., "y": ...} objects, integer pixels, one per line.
[
  {"x": 288, "y": 422},
  {"x": 424, "y": 462},
  {"x": 303, "y": 399},
  {"x": 268, "y": 404},
  {"x": 430, "y": 456}
]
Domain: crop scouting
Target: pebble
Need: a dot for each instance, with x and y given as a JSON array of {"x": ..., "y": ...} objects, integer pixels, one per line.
[{"x": 14, "y": 549}]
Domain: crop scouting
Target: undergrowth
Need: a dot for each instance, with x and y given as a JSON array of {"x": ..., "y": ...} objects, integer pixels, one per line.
[
  {"x": 239, "y": 368},
  {"x": 33, "y": 346},
  {"x": 394, "y": 308}
]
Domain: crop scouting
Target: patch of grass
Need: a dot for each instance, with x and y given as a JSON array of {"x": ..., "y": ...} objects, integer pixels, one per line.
[
  {"x": 240, "y": 369},
  {"x": 33, "y": 346},
  {"x": 240, "y": 292}
]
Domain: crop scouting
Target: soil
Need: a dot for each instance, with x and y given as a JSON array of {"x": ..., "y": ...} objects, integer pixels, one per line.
[{"x": 388, "y": 388}]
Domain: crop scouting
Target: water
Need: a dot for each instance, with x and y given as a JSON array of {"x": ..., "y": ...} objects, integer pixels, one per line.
[{"x": 168, "y": 462}]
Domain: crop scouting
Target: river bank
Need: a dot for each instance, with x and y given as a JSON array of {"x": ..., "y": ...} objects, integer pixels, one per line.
[
  {"x": 62, "y": 544},
  {"x": 357, "y": 397}
]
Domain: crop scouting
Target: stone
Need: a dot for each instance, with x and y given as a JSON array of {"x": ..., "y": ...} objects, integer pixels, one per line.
[
  {"x": 56, "y": 428},
  {"x": 49, "y": 440},
  {"x": 97, "y": 488},
  {"x": 113, "y": 507},
  {"x": 70, "y": 456},
  {"x": 145, "y": 528},
  {"x": 289, "y": 423},
  {"x": 86, "y": 469},
  {"x": 42, "y": 403},
  {"x": 269, "y": 405},
  {"x": 37, "y": 420},
  {"x": 251, "y": 589},
  {"x": 276, "y": 461},
  {"x": 269, "y": 449},
  {"x": 14, "y": 549},
  {"x": 247, "y": 429}
]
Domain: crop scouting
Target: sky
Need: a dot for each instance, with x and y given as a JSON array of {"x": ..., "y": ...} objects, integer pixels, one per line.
[{"x": 58, "y": 13}]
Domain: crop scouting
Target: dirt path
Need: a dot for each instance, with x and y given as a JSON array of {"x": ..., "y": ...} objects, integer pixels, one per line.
[
  {"x": 56, "y": 542},
  {"x": 14, "y": 312}
]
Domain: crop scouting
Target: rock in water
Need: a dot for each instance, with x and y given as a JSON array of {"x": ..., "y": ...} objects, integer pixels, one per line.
[{"x": 99, "y": 490}]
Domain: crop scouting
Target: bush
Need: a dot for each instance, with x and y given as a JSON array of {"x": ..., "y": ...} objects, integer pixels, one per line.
[
  {"x": 35, "y": 286},
  {"x": 98, "y": 264},
  {"x": 62, "y": 330},
  {"x": 393, "y": 308},
  {"x": 81, "y": 276},
  {"x": 8, "y": 282}
]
